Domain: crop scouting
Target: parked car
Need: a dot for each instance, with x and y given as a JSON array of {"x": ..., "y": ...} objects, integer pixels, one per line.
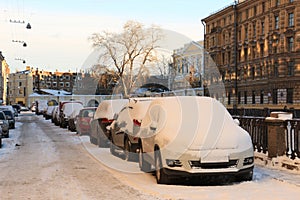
[
  {"x": 41, "y": 107},
  {"x": 10, "y": 117},
  {"x": 103, "y": 117},
  {"x": 48, "y": 113},
  {"x": 24, "y": 109},
  {"x": 17, "y": 107},
  {"x": 83, "y": 119},
  {"x": 4, "y": 125},
  {"x": 124, "y": 128},
  {"x": 66, "y": 112},
  {"x": 55, "y": 115},
  {"x": 193, "y": 136},
  {"x": 9, "y": 107},
  {"x": 71, "y": 118}
]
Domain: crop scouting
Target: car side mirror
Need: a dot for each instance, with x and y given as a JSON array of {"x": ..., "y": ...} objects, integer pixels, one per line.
[
  {"x": 237, "y": 122},
  {"x": 153, "y": 126}
]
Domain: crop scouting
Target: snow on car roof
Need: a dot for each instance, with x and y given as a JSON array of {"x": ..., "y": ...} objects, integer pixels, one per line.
[
  {"x": 108, "y": 108},
  {"x": 69, "y": 108},
  {"x": 199, "y": 122}
]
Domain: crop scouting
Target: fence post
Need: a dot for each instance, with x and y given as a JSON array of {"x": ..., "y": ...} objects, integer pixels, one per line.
[{"x": 276, "y": 137}]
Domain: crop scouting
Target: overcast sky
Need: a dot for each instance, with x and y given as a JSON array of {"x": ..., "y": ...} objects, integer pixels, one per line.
[{"x": 60, "y": 28}]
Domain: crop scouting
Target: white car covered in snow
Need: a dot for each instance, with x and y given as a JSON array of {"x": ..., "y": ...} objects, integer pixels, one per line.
[
  {"x": 103, "y": 117},
  {"x": 193, "y": 136},
  {"x": 124, "y": 128},
  {"x": 66, "y": 111}
]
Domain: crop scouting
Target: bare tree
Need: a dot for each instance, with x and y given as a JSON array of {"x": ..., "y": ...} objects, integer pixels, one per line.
[{"x": 128, "y": 53}]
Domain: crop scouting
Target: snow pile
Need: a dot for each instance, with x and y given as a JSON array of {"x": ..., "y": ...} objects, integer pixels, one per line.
[{"x": 280, "y": 162}]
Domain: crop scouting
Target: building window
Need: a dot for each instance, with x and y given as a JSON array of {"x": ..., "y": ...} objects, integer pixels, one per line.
[
  {"x": 291, "y": 1},
  {"x": 261, "y": 97},
  {"x": 289, "y": 96},
  {"x": 254, "y": 30},
  {"x": 67, "y": 77},
  {"x": 48, "y": 84},
  {"x": 61, "y": 84},
  {"x": 276, "y": 21},
  {"x": 274, "y": 96},
  {"x": 20, "y": 83},
  {"x": 67, "y": 84},
  {"x": 246, "y": 33},
  {"x": 276, "y": 69},
  {"x": 54, "y": 84},
  {"x": 246, "y": 53},
  {"x": 239, "y": 97},
  {"x": 277, "y": 3},
  {"x": 253, "y": 97},
  {"x": 291, "y": 68},
  {"x": 263, "y": 7},
  {"x": 253, "y": 72},
  {"x": 291, "y": 19},
  {"x": 229, "y": 98},
  {"x": 262, "y": 49},
  {"x": 245, "y": 97},
  {"x": 290, "y": 44},
  {"x": 262, "y": 28}
]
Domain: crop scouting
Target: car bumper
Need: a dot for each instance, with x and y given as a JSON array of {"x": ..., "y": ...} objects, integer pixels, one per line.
[{"x": 210, "y": 174}]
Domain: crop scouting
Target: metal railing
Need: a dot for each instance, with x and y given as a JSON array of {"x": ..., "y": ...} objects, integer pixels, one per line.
[
  {"x": 292, "y": 133},
  {"x": 258, "y": 130}
]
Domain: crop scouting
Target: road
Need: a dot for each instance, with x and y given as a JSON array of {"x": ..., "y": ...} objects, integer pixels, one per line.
[{"x": 43, "y": 161}]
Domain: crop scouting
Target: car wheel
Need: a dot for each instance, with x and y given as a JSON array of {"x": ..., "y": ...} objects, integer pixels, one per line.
[
  {"x": 144, "y": 165},
  {"x": 128, "y": 154},
  {"x": 7, "y": 134},
  {"x": 161, "y": 177},
  {"x": 13, "y": 127},
  {"x": 246, "y": 177}
]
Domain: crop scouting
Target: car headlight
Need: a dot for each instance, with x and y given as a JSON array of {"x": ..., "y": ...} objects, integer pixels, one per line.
[{"x": 248, "y": 161}]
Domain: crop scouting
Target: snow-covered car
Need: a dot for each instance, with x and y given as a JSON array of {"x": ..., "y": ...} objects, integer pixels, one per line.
[
  {"x": 66, "y": 111},
  {"x": 193, "y": 136},
  {"x": 41, "y": 107},
  {"x": 11, "y": 118},
  {"x": 72, "y": 118},
  {"x": 83, "y": 119},
  {"x": 48, "y": 113},
  {"x": 103, "y": 117},
  {"x": 124, "y": 128},
  {"x": 4, "y": 125},
  {"x": 55, "y": 115}
]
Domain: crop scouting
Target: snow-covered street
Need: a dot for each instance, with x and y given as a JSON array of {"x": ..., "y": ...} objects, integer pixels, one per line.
[{"x": 43, "y": 161}]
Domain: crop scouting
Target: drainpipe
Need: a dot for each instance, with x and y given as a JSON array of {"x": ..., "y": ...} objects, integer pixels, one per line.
[{"x": 203, "y": 58}]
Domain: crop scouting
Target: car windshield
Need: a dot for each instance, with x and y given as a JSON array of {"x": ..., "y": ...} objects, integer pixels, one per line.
[{"x": 8, "y": 113}]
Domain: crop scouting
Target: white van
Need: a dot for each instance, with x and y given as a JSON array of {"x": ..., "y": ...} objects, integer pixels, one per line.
[{"x": 193, "y": 136}]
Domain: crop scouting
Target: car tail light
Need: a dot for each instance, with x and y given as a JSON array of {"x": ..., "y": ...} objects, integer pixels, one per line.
[
  {"x": 105, "y": 120},
  {"x": 136, "y": 122}
]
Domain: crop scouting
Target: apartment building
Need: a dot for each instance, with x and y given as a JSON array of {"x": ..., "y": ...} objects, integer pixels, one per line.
[{"x": 256, "y": 46}]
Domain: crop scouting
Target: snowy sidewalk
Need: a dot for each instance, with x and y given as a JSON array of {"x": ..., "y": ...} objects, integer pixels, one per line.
[{"x": 280, "y": 168}]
